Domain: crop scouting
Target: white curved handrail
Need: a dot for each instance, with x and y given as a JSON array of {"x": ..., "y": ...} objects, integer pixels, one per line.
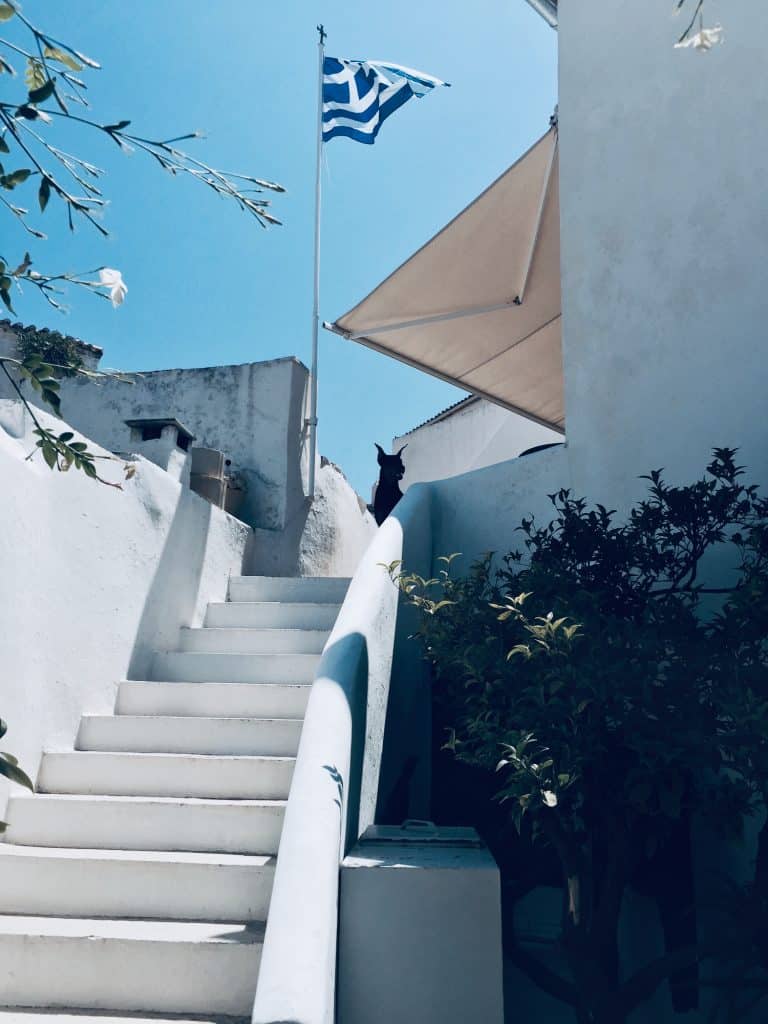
[{"x": 335, "y": 783}]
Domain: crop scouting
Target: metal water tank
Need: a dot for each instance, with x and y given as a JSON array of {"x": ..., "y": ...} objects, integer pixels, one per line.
[{"x": 207, "y": 475}]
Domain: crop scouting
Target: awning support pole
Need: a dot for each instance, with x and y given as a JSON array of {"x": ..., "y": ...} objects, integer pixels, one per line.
[
  {"x": 539, "y": 215},
  {"x": 436, "y": 318},
  {"x": 312, "y": 421}
]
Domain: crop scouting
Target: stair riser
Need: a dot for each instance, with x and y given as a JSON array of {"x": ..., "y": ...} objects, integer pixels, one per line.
[
  {"x": 117, "y": 974},
  {"x": 317, "y": 590},
  {"x": 181, "y": 775},
  {"x": 101, "y": 823},
  {"x": 274, "y": 738},
  {"x": 272, "y": 615},
  {"x": 254, "y": 641},
  {"x": 165, "y": 890},
  {"x": 184, "y": 666},
  {"x": 238, "y": 700}
]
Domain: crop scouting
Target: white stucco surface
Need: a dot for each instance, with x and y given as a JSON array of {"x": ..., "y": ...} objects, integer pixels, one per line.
[
  {"x": 335, "y": 783},
  {"x": 419, "y": 935},
  {"x": 664, "y": 236},
  {"x": 255, "y": 414},
  {"x": 251, "y": 412},
  {"x": 474, "y": 435},
  {"x": 93, "y": 579},
  {"x": 480, "y": 511}
]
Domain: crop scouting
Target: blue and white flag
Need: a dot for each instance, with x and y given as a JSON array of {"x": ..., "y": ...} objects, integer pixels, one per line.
[{"x": 358, "y": 95}]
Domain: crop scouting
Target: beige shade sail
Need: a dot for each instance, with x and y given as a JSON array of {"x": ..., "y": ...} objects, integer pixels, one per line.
[{"x": 479, "y": 304}]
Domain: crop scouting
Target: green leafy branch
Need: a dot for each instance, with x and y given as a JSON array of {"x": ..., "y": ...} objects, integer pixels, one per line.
[
  {"x": 48, "y": 284},
  {"x": 52, "y": 70},
  {"x": 60, "y": 451},
  {"x": 9, "y": 767}
]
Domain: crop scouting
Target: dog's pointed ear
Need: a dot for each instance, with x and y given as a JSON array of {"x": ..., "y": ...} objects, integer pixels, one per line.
[
  {"x": 402, "y": 450},
  {"x": 381, "y": 450}
]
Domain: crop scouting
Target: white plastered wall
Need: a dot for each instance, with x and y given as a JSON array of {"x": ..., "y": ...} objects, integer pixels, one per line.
[
  {"x": 92, "y": 580},
  {"x": 255, "y": 413},
  {"x": 664, "y": 227},
  {"x": 475, "y": 435}
]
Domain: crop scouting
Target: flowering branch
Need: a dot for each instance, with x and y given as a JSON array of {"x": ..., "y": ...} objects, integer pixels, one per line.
[
  {"x": 110, "y": 284},
  {"x": 60, "y": 451},
  {"x": 705, "y": 38},
  {"x": 51, "y": 78}
]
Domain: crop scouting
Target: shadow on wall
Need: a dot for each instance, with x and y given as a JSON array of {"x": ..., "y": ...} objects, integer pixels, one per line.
[
  {"x": 276, "y": 552},
  {"x": 172, "y": 595},
  {"x": 406, "y": 771},
  {"x": 345, "y": 663}
]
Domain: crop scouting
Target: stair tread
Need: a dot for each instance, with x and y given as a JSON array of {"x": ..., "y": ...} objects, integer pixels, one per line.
[
  {"x": 197, "y": 718},
  {"x": 137, "y": 856},
  {"x": 294, "y": 579},
  {"x": 139, "y": 930},
  {"x": 255, "y": 629},
  {"x": 277, "y": 604},
  {"x": 262, "y": 656},
  {"x": 147, "y": 755},
  {"x": 198, "y": 682},
  {"x": 165, "y": 800},
  {"x": 33, "y": 1015}
]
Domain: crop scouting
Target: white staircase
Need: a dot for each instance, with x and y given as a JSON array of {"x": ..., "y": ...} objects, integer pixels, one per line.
[{"x": 134, "y": 885}]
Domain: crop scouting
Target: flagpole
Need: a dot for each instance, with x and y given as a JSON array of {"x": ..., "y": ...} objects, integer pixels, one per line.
[{"x": 312, "y": 422}]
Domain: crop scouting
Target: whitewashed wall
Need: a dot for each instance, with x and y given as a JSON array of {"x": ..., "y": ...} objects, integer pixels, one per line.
[
  {"x": 475, "y": 435},
  {"x": 251, "y": 412},
  {"x": 481, "y": 511},
  {"x": 92, "y": 579},
  {"x": 255, "y": 414},
  {"x": 663, "y": 169}
]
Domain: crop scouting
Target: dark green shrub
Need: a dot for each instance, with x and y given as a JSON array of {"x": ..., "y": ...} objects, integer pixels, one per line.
[{"x": 619, "y": 695}]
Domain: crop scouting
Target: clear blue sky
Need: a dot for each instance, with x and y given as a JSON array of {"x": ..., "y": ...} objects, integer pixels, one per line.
[{"x": 206, "y": 284}]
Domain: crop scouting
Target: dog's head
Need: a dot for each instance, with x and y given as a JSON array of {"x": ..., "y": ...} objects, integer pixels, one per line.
[{"x": 392, "y": 466}]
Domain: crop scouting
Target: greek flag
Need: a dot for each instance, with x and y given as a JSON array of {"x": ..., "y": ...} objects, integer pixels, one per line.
[{"x": 358, "y": 95}]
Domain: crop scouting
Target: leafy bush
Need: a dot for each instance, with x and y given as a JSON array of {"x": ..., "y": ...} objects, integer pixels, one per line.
[{"x": 616, "y": 694}]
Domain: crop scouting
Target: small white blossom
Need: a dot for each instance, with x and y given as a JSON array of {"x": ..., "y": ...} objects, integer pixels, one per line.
[
  {"x": 549, "y": 798},
  {"x": 113, "y": 280},
  {"x": 704, "y": 39}
]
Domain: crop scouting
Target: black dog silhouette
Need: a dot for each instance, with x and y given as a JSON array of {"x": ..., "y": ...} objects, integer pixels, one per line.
[{"x": 388, "y": 491}]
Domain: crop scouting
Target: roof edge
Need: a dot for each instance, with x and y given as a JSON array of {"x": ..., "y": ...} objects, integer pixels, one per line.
[{"x": 444, "y": 414}]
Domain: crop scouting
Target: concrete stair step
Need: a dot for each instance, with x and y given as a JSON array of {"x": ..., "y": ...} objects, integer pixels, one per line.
[
  {"x": 34, "y": 1015},
  {"x": 272, "y": 615},
  {"x": 165, "y": 734},
  {"x": 212, "y": 700},
  {"x": 137, "y": 774},
  {"x": 314, "y": 589},
  {"x": 236, "y": 640},
  {"x": 161, "y": 966},
  {"x": 145, "y": 823},
  {"x": 128, "y": 883},
  {"x": 219, "y": 667}
]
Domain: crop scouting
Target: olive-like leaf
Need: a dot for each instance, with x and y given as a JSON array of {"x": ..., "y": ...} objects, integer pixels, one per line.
[
  {"x": 14, "y": 773},
  {"x": 44, "y": 193},
  {"x": 44, "y": 92},
  {"x": 54, "y": 53}
]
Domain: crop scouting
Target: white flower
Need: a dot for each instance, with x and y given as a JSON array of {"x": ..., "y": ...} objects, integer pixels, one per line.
[
  {"x": 704, "y": 39},
  {"x": 113, "y": 280},
  {"x": 549, "y": 798}
]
